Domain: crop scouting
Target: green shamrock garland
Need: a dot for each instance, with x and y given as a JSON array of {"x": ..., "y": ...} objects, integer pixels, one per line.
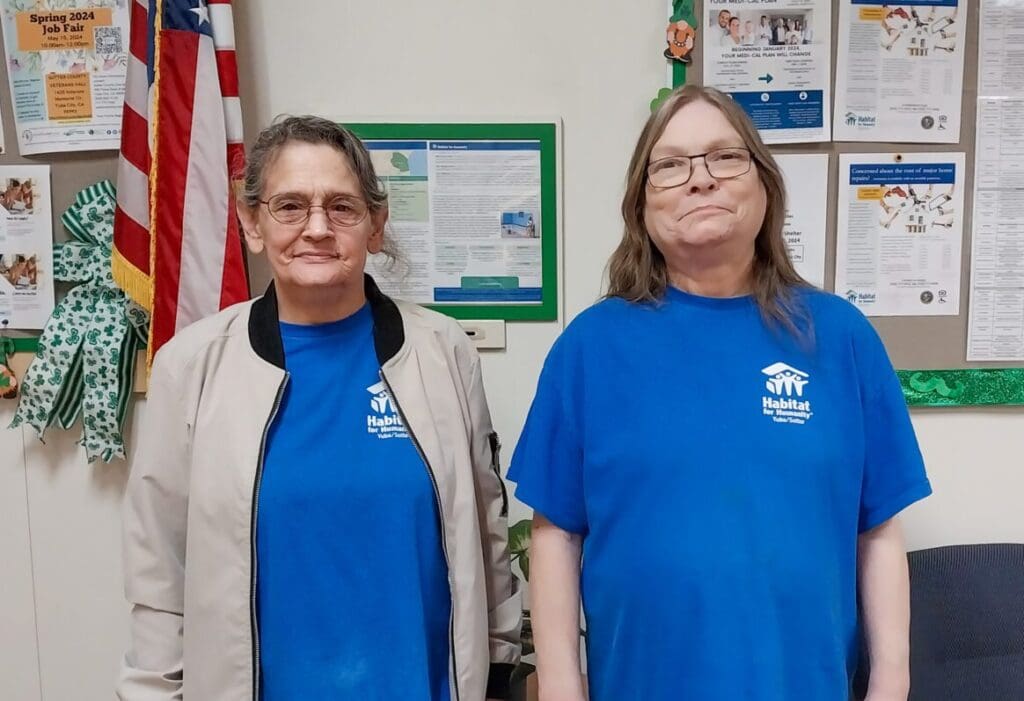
[{"x": 85, "y": 363}]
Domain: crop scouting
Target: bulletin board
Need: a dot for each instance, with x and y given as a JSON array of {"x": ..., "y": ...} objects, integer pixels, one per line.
[
  {"x": 520, "y": 282},
  {"x": 929, "y": 352}
]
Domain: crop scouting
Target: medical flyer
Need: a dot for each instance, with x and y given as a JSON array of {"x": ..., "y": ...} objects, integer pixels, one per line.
[
  {"x": 26, "y": 247},
  {"x": 900, "y": 71},
  {"x": 66, "y": 62},
  {"x": 806, "y": 178},
  {"x": 996, "y": 312},
  {"x": 467, "y": 215},
  {"x": 774, "y": 58},
  {"x": 900, "y": 232}
]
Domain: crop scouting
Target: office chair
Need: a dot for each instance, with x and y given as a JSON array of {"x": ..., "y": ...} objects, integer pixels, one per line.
[{"x": 966, "y": 624}]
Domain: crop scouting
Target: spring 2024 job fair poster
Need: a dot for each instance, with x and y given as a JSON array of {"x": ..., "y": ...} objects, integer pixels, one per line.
[{"x": 67, "y": 61}]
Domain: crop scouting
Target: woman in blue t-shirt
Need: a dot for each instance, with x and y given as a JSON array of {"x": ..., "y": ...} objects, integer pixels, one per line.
[
  {"x": 315, "y": 510},
  {"x": 717, "y": 451}
]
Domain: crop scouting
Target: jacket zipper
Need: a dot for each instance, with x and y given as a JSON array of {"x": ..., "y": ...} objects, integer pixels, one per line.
[
  {"x": 495, "y": 444},
  {"x": 444, "y": 538},
  {"x": 252, "y": 542}
]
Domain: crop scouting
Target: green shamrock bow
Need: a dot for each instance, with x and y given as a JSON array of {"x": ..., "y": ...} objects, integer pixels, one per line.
[{"x": 85, "y": 363}]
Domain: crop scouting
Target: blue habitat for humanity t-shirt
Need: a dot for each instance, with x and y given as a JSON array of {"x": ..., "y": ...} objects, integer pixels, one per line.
[
  {"x": 719, "y": 473},
  {"x": 352, "y": 585}
]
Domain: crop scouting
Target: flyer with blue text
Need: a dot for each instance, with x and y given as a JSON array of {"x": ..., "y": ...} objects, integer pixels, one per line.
[
  {"x": 900, "y": 70},
  {"x": 900, "y": 232},
  {"x": 773, "y": 57}
]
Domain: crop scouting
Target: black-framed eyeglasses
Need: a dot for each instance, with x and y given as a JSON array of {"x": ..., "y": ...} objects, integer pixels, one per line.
[
  {"x": 722, "y": 164},
  {"x": 294, "y": 210}
]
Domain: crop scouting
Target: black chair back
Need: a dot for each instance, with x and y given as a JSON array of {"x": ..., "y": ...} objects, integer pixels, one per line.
[{"x": 966, "y": 624}]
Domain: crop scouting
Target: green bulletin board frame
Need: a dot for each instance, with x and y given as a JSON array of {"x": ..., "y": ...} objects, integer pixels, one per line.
[
  {"x": 967, "y": 387},
  {"x": 544, "y": 132}
]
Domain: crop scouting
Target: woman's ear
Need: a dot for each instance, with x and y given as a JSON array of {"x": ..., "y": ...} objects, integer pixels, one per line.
[
  {"x": 378, "y": 220},
  {"x": 248, "y": 217}
]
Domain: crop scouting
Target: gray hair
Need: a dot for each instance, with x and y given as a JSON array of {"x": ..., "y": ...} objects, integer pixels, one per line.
[
  {"x": 286, "y": 129},
  {"x": 309, "y": 129}
]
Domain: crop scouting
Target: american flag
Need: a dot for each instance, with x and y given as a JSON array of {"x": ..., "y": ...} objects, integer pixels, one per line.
[{"x": 177, "y": 251}]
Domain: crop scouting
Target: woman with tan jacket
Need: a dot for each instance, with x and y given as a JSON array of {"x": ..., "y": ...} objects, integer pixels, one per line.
[{"x": 315, "y": 510}]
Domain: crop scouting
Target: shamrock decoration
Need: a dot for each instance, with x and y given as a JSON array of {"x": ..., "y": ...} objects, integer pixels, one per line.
[
  {"x": 8, "y": 382},
  {"x": 661, "y": 97},
  {"x": 85, "y": 363}
]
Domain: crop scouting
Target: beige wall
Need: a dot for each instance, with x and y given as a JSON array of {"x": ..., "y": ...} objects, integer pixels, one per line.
[{"x": 62, "y": 618}]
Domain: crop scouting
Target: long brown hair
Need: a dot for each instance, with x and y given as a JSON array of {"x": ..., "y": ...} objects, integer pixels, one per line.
[{"x": 637, "y": 270}]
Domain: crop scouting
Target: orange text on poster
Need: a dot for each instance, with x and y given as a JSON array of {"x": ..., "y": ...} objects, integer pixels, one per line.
[
  {"x": 68, "y": 96},
  {"x": 872, "y": 14},
  {"x": 47, "y": 30},
  {"x": 870, "y": 193}
]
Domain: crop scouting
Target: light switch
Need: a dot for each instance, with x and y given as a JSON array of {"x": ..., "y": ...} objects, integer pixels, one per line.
[{"x": 486, "y": 335}]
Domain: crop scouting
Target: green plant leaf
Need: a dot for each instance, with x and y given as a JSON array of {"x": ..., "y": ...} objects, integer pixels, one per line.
[
  {"x": 519, "y": 537},
  {"x": 519, "y": 545}
]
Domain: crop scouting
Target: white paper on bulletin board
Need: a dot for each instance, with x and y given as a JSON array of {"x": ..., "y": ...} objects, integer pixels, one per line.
[
  {"x": 773, "y": 57},
  {"x": 67, "y": 64},
  {"x": 26, "y": 247},
  {"x": 900, "y": 70},
  {"x": 900, "y": 232},
  {"x": 996, "y": 314},
  {"x": 806, "y": 177}
]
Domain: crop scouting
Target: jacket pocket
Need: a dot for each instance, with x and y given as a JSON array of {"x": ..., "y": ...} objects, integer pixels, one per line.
[{"x": 495, "y": 444}]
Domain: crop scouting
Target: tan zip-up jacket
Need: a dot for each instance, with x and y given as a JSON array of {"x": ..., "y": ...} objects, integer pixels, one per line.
[{"x": 190, "y": 569}]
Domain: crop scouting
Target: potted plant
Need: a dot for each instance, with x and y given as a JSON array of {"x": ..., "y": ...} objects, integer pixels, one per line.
[{"x": 519, "y": 549}]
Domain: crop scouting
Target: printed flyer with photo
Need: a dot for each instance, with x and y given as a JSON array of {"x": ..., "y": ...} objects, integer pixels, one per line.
[
  {"x": 26, "y": 247},
  {"x": 900, "y": 71},
  {"x": 67, "y": 63},
  {"x": 773, "y": 57},
  {"x": 468, "y": 216},
  {"x": 900, "y": 232}
]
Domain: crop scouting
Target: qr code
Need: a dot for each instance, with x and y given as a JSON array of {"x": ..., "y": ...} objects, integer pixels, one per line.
[{"x": 108, "y": 41}]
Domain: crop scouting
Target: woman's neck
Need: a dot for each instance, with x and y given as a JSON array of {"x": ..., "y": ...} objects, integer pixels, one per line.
[
  {"x": 316, "y": 305},
  {"x": 714, "y": 278}
]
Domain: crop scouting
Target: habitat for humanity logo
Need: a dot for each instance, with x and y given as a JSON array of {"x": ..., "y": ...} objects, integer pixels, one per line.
[
  {"x": 383, "y": 420},
  {"x": 855, "y": 297},
  {"x": 785, "y": 403},
  {"x": 859, "y": 120}
]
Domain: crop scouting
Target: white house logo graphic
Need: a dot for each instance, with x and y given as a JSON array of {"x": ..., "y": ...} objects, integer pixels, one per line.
[
  {"x": 860, "y": 120},
  {"x": 383, "y": 421},
  {"x": 785, "y": 403},
  {"x": 381, "y": 401},
  {"x": 785, "y": 380}
]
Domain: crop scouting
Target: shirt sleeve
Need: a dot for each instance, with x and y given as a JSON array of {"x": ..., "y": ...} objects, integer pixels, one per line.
[
  {"x": 547, "y": 465},
  {"x": 894, "y": 472}
]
